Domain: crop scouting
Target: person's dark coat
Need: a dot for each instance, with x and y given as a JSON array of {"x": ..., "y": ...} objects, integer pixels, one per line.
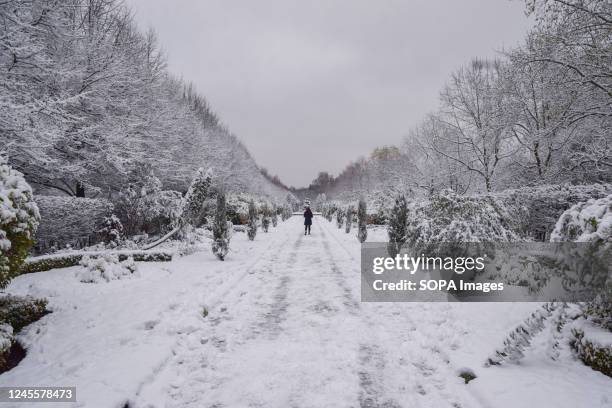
[{"x": 308, "y": 217}]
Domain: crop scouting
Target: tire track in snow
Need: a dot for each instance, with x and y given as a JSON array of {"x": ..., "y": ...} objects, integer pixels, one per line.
[
  {"x": 371, "y": 358},
  {"x": 184, "y": 347},
  {"x": 422, "y": 358},
  {"x": 277, "y": 312}
]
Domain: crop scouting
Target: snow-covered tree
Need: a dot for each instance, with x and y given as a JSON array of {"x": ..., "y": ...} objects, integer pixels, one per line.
[
  {"x": 349, "y": 219},
  {"x": 396, "y": 227},
  {"x": 362, "y": 231},
  {"x": 221, "y": 233},
  {"x": 275, "y": 210},
  {"x": 339, "y": 217},
  {"x": 265, "y": 217},
  {"x": 252, "y": 224},
  {"x": 193, "y": 203},
  {"x": 19, "y": 219},
  {"x": 111, "y": 230}
]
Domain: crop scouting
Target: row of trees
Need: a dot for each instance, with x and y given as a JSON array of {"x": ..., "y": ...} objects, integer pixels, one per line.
[
  {"x": 87, "y": 101},
  {"x": 539, "y": 114},
  {"x": 344, "y": 215}
]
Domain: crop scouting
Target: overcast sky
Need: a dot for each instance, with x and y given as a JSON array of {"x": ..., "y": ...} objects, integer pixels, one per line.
[{"x": 312, "y": 85}]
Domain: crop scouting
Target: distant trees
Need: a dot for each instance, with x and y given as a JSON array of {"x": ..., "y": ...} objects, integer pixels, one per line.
[{"x": 539, "y": 114}]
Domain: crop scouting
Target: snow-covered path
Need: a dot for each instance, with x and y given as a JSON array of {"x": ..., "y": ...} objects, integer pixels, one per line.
[
  {"x": 293, "y": 334},
  {"x": 279, "y": 324}
]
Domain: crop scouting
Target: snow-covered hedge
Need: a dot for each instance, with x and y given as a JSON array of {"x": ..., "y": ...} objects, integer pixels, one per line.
[
  {"x": 69, "y": 221},
  {"x": 65, "y": 260},
  {"x": 16, "y": 312},
  {"x": 535, "y": 210},
  {"x": 448, "y": 217},
  {"x": 591, "y": 222},
  {"x": 594, "y": 348},
  {"x": 19, "y": 217},
  {"x": 585, "y": 222}
]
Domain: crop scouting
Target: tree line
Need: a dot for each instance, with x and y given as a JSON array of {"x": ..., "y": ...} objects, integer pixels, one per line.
[
  {"x": 87, "y": 101},
  {"x": 539, "y": 114}
]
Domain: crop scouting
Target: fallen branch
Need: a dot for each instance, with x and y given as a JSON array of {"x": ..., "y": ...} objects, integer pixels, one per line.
[{"x": 162, "y": 239}]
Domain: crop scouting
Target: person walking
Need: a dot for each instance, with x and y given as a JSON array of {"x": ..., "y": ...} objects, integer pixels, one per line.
[{"x": 307, "y": 220}]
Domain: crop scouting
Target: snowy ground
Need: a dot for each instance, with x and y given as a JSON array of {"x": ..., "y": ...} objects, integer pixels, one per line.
[{"x": 285, "y": 328}]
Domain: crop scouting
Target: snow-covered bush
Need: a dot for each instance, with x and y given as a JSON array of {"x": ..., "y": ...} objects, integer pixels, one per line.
[
  {"x": 19, "y": 218},
  {"x": 585, "y": 222},
  {"x": 520, "y": 338},
  {"x": 592, "y": 353},
  {"x": 396, "y": 227},
  {"x": 536, "y": 210},
  {"x": 6, "y": 342},
  {"x": 193, "y": 203},
  {"x": 362, "y": 221},
  {"x": 590, "y": 222},
  {"x": 16, "y": 312},
  {"x": 20, "y": 311},
  {"x": 111, "y": 230},
  {"x": 252, "y": 225},
  {"x": 221, "y": 231},
  {"x": 265, "y": 218},
  {"x": 339, "y": 217},
  {"x": 274, "y": 217},
  {"x": 349, "y": 219},
  {"x": 451, "y": 218},
  {"x": 106, "y": 267}
]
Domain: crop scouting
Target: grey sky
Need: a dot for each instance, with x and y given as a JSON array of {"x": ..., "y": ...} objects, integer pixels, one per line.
[{"x": 312, "y": 85}]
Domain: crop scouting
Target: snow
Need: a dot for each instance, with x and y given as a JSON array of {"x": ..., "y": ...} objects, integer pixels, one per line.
[
  {"x": 279, "y": 323},
  {"x": 585, "y": 221}
]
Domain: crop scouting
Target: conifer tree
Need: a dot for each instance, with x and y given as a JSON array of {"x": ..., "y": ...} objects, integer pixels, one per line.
[
  {"x": 339, "y": 217},
  {"x": 362, "y": 232},
  {"x": 221, "y": 233},
  {"x": 193, "y": 203},
  {"x": 349, "y": 219},
  {"x": 265, "y": 217},
  {"x": 252, "y": 226},
  {"x": 274, "y": 216},
  {"x": 397, "y": 226}
]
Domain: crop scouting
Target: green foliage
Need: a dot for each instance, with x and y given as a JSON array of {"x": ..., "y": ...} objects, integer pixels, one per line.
[
  {"x": 362, "y": 220},
  {"x": 21, "y": 311},
  {"x": 265, "y": 217},
  {"x": 220, "y": 244},
  {"x": 46, "y": 263},
  {"x": 397, "y": 225},
  {"x": 597, "y": 357},
  {"x": 252, "y": 225},
  {"x": 192, "y": 211},
  {"x": 349, "y": 219},
  {"x": 19, "y": 218},
  {"x": 339, "y": 217}
]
